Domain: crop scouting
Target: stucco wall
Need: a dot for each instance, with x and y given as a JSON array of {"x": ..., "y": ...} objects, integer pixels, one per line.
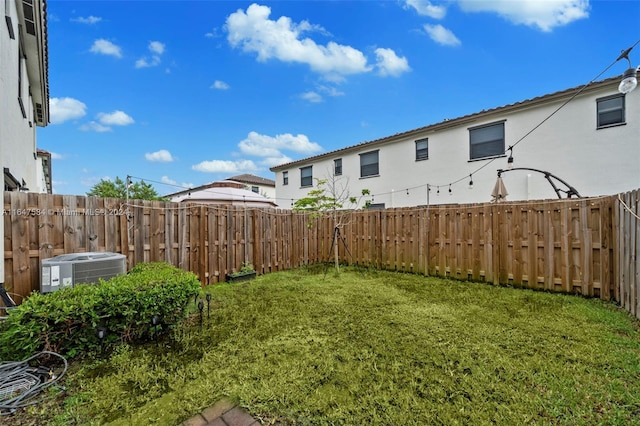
[
  {"x": 569, "y": 145},
  {"x": 17, "y": 133}
]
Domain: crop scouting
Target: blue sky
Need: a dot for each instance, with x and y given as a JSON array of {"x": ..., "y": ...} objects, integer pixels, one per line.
[{"x": 182, "y": 93}]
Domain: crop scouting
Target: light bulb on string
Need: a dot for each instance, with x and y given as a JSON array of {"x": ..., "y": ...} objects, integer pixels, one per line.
[
  {"x": 438, "y": 191},
  {"x": 450, "y": 192},
  {"x": 510, "y": 159},
  {"x": 470, "y": 182},
  {"x": 630, "y": 77}
]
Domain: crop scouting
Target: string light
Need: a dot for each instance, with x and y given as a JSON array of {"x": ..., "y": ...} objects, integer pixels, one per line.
[{"x": 510, "y": 159}]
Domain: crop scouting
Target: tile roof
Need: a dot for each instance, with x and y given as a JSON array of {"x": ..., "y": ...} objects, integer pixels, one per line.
[
  {"x": 446, "y": 123},
  {"x": 247, "y": 178}
]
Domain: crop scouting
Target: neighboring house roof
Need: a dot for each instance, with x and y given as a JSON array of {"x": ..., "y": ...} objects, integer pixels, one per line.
[
  {"x": 222, "y": 192},
  {"x": 232, "y": 193},
  {"x": 252, "y": 179},
  {"x": 33, "y": 17},
  {"x": 447, "y": 123}
]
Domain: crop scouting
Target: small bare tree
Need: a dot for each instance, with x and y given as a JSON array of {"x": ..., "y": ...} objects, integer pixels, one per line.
[{"x": 331, "y": 196}]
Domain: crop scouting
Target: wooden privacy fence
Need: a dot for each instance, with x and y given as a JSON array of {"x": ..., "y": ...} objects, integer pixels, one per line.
[
  {"x": 562, "y": 245},
  {"x": 627, "y": 261},
  {"x": 583, "y": 246}
]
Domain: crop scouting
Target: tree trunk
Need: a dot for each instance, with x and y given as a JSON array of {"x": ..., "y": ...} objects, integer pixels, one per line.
[{"x": 335, "y": 248}]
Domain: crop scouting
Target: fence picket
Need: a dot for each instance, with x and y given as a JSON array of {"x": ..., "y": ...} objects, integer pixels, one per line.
[{"x": 588, "y": 246}]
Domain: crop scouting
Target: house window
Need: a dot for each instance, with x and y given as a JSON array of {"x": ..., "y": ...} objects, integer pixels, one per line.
[
  {"x": 610, "y": 110},
  {"x": 285, "y": 178},
  {"x": 7, "y": 18},
  {"x": 375, "y": 206},
  {"x": 369, "y": 164},
  {"x": 422, "y": 149},
  {"x": 20, "y": 68},
  {"x": 306, "y": 176},
  {"x": 486, "y": 141},
  {"x": 337, "y": 166},
  {"x": 255, "y": 189}
]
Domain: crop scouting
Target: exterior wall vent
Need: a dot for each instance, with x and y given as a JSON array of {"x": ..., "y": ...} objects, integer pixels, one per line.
[{"x": 67, "y": 270}]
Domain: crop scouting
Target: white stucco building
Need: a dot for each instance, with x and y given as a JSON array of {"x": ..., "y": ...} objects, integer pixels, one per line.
[
  {"x": 592, "y": 143},
  {"x": 24, "y": 92},
  {"x": 259, "y": 185},
  {"x": 222, "y": 193},
  {"x": 24, "y": 97}
]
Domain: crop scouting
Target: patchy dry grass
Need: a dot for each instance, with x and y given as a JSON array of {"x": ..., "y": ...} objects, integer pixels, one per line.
[{"x": 375, "y": 348}]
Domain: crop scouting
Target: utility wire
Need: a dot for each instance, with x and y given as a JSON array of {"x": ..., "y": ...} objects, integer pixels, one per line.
[{"x": 467, "y": 175}]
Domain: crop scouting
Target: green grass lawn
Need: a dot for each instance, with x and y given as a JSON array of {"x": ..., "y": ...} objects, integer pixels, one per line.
[{"x": 375, "y": 348}]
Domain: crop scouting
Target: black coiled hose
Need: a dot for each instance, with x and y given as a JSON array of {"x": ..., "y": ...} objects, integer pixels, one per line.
[{"x": 22, "y": 382}]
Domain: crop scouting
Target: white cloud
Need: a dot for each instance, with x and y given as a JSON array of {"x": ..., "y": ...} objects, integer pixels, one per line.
[
  {"x": 317, "y": 95},
  {"x": 220, "y": 85},
  {"x": 215, "y": 166},
  {"x": 253, "y": 31},
  {"x": 165, "y": 179},
  {"x": 94, "y": 126},
  {"x": 115, "y": 118},
  {"x": 214, "y": 33},
  {"x": 312, "y": 97},
  {"x": 162, "y": 156},
  {"x": 389, "y": 63},
  {"x": 56, "y": 156},
  {"x": 544, "y": 15},
  {"x": 147, "y": 62},
  {"x": 426, "y": 8},
  {"x": 156, "y": 49},
  {"x": 105, "y": 47},
  {"x": 168, "y": 181},
  {"x": 441, "y": 35},
  {"x": 64, "y": 109},
  {"x": 330, "y": 91},
  {"x": 88, "y": 20},
  {"x": 275, "y": 161},
  {"x": 267, "y": 146}
]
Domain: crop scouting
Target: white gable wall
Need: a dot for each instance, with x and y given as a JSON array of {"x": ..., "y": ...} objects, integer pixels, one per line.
[
  {"x": 569, "y": 145},
  {"x": 17, "y": 132}
]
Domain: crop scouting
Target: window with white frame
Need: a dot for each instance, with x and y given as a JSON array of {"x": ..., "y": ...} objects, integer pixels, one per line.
[
  {"x": 255, "y": 189},
  {"x": 610, "y": 110},
  {"x": 285, "y": 178},
  {"x": 306, "y": 176},
  {"x": 486, "y": 141},
  {"x": 337, "y": 166},
  {"x": 369, "y": 165},
  {"x": 422, "y": 149}
]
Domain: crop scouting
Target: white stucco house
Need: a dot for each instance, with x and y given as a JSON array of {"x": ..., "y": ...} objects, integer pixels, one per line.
[
  {"x": 257, "y": 184},
  {"x": 24, "y": 97},
  {"x": 222, "y": 193},
  {"x": 24, "y": 93},
  {"x": 592, "y": 143}
]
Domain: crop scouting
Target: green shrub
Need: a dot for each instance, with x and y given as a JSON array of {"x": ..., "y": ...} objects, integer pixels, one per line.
[{"x": 123, "y": 308}]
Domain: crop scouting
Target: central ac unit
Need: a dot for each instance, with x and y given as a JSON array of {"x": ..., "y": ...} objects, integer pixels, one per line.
[{"x": 68, "y": 270}]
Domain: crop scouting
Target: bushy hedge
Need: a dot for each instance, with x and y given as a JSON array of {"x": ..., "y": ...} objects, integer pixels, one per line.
[{"x": 132, "y": 307}]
